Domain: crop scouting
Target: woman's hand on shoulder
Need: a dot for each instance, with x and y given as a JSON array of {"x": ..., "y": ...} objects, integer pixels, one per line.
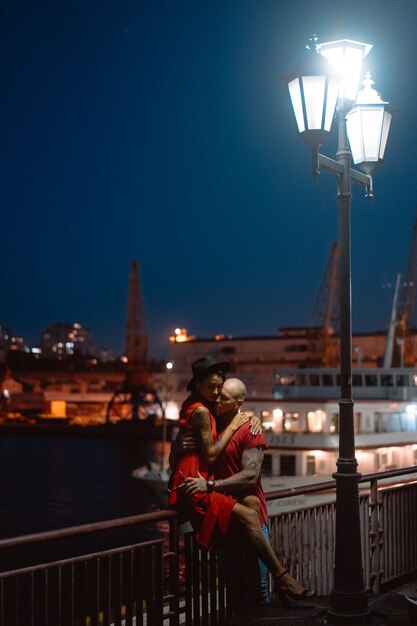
[
  {"x": 255, "y": 426},
  {"x": 238, "y": 420}
]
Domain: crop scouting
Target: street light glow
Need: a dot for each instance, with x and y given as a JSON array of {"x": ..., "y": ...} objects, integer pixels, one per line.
[{"x": 346, "y": 56}]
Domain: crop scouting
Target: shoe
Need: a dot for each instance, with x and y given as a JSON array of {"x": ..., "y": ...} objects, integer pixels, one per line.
[{"x": 292, "y": 590}]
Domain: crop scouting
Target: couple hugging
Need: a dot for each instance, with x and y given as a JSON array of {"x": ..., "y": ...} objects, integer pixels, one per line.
[{"x": 215, "y": 482}]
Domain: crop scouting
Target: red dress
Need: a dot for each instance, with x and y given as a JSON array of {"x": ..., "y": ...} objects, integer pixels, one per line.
[{"x": 207, "y": 512}]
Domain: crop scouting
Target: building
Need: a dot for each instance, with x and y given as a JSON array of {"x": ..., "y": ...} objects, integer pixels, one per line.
[
  {"x": 254, "y": 358},
  {"x": 61, "y": 340}
]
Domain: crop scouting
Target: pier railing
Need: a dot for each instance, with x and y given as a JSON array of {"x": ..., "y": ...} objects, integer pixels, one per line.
[
  {"x": 123, "y": 584},
  {"x": 304, "y": 539},
  {"x": 167, "y": 582}
]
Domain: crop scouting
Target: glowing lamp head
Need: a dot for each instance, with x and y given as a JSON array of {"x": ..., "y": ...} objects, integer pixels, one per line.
[
  {"x": 313, "y": 89},
  {"x": 368, "y": 124},
  {"x": 345, "y": 56}
]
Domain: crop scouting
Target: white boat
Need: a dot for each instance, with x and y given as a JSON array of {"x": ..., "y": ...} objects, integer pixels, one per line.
[
  {"x": 302, "y": 421},
  {"x": 155, "y": 478}
]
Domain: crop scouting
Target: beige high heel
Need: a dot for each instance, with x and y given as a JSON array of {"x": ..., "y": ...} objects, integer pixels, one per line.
[{"x": 285, "y": 591}]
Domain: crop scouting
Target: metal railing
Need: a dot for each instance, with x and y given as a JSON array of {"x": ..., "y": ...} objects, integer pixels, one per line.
[
  {"x": 127, "y": 584},
  {"x": 304, "y": 539},
  {"x": 139, "y": 583}
]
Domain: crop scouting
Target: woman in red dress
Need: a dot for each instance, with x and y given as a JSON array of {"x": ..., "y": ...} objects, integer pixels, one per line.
[
  {"x": 211, "y": 513},
  {"x": 208, "y": 513}
]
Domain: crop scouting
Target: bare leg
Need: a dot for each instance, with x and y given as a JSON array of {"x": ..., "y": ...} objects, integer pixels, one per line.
[
  {"x": 252, "y": 502},
  {"x": 248, "y": 518}
]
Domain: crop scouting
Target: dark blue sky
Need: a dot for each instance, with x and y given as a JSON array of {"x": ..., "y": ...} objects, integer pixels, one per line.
[{"x": 160, "y": 131}]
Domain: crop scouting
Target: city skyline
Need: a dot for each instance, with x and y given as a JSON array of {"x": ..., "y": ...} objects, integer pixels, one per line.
[{"x": 162, "y": 132}]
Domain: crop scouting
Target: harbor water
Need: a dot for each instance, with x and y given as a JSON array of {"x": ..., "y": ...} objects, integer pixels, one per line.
[{"x": 51, "y": 482}]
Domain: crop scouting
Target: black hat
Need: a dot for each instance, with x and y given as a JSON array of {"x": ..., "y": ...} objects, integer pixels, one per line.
[{"x": 205, "y": 366}]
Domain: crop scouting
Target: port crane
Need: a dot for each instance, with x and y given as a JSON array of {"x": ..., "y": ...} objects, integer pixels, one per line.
[
  {"x": 324, "y": 318},
  {"x": 405, "y": 331},
  {"x": 136, "y": 399}
]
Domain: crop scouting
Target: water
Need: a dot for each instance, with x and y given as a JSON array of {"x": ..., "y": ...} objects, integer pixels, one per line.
[{"x": 48, "y": 483}]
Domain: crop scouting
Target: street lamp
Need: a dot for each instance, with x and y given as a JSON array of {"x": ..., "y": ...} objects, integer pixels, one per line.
[
  {"x": 368, "y": 123},
  {"x": 313, "y": 87}
]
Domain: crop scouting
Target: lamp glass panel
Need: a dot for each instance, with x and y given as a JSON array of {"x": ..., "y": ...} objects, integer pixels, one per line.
[
  {"x": 346, "y": 60},
  {"x": 352, "y": 72},
  {"x": 314, "y": 90},
  {"x": 297, "y": 105},
  {"x": 335, "y": 57},
  {"x": 385, "y": 131},
  {"x": 354, "y": 130},
  {"x": 331, "y": 101},
  {"x": 372, "y": 121}
]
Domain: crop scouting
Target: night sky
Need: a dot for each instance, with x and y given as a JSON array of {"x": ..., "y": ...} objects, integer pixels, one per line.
[{"x": 160, "y": 131}]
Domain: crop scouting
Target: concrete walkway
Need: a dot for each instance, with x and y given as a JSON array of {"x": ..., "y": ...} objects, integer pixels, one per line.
[{"x": 389, "y": 609}]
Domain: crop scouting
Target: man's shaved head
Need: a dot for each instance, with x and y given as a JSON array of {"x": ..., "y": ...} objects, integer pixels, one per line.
[{"x": 235, "y": 387}]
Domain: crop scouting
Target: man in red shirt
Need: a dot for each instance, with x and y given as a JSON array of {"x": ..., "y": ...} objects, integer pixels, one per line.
[{"x": 237, "y": 472}]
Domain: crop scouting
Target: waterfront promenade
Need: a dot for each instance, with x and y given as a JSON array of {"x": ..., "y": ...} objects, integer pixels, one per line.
[
  {"x": 171, "y": 581},
  {"x": 387, "y": 609}
]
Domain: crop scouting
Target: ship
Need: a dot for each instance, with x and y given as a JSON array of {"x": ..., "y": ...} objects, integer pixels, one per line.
[{"x": 301, "y": 422}]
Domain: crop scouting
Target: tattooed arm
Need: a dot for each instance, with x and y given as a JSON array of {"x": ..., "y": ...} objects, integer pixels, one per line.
[
  {"x": 247, "y": 477},
  {"x": 238, "y": 483},
  {"x": 200, "y": 421}
]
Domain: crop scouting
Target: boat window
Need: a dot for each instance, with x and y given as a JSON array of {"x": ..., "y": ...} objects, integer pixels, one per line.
[
  {"x": 290, "y": 421},
  {"x": 371, "y": 380},
  {"x": 316, "y": 421},
  {"x": 267, "y": 465},
  {"x": 327, "y": 380},
  {"x": 334, "y": 424},
  {"x": 387, "y": 380},
  {"x": 301, "y": 379},
  {"x": 287, "y": 465},
  {"x": 357, "y": 380},
  {"x": 381, "y": 459},
  {"x": 414, "y": 381},
  {"x": 311, "y": 465},
  {"x": 314, "y": 380},
  {"x": 285, "y": 379},
  {"x": 402, "y": 380}
]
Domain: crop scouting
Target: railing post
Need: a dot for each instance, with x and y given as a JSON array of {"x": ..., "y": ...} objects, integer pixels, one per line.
[
  {"x": 375, "y": 536},
  {"x": 174, "y": 547}
]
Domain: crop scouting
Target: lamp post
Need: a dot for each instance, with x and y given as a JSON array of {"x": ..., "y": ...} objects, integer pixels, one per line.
[
  {"x": 325, "y": 82},
  {"x": 168, "y": 369}
]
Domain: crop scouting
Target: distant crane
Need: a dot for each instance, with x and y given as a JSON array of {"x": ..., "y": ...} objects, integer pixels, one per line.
[
  {"x": 136, "y": 335},
  {"x": 406, "y": 324},
  {"x": 389, "y": 348},
  {"x": 324, "y": 318},
  {"x": 136, "y": 399}
]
